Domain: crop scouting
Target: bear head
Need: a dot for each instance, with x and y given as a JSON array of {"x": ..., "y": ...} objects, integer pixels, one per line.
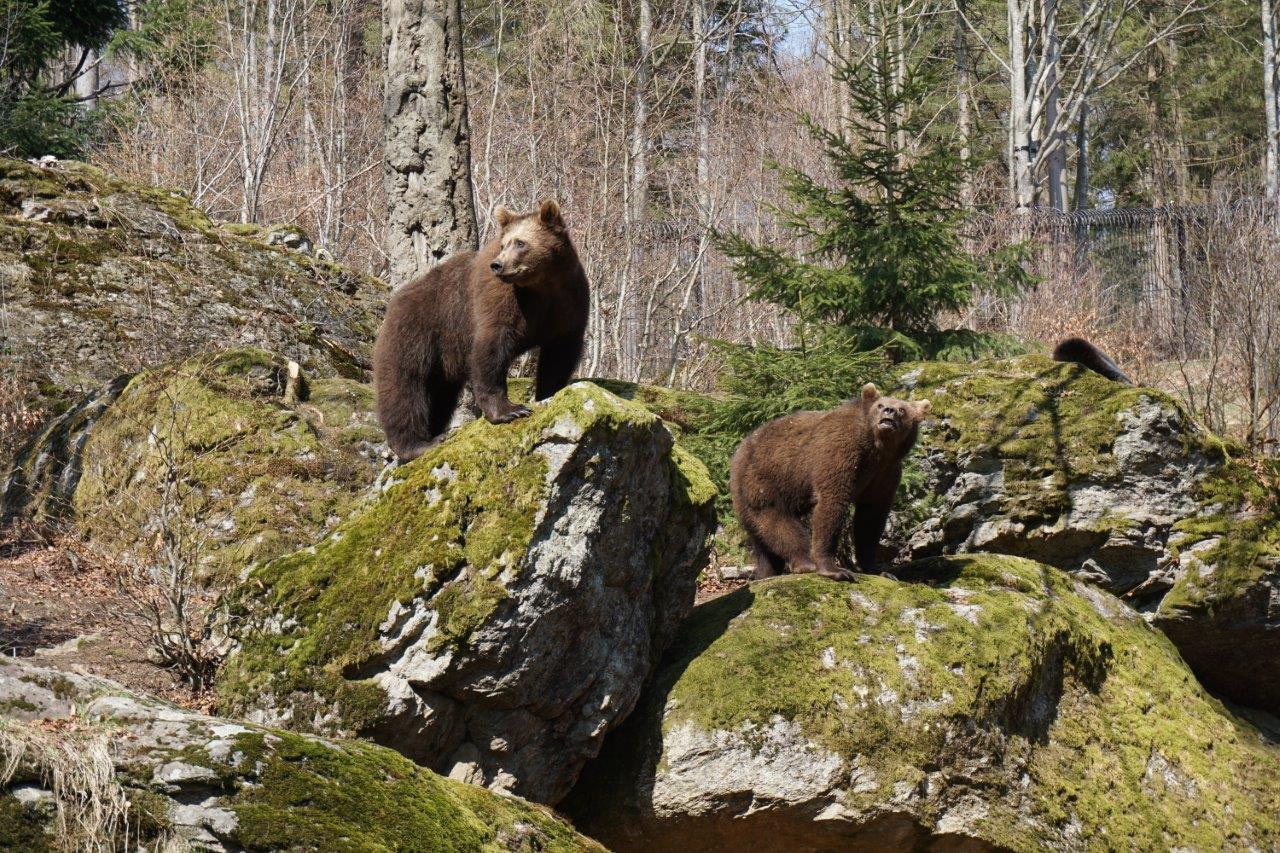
[
  {"x": 529, "y": 243},
  {"x": 893, "y": 420}
]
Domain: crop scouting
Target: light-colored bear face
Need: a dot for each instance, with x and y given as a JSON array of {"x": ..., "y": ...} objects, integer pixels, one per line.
[{"x": 529, "y": 242}]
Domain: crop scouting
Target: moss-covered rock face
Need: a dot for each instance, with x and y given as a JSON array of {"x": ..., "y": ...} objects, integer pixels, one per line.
[
  {"x": 100, "y": 277},
  {"x": 1116, "y": 485},
  {"x": 1223, "y": 611},
  {"x": 209, "y": 449},
  {"x": 990, "y": 702},
  {"x": 121, "y": 768},
  {"x": 494, "y": 612},
  {"x": 1052, "y": 462}
]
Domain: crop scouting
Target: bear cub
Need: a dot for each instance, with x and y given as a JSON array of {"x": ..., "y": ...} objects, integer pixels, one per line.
[
  {"x": 818, "y": 464},
  {"x": 468, "y": 318}
]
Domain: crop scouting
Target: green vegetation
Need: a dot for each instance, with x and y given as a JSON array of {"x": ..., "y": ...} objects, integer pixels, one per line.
[
  {"x": 981, "y": 650},
  {"x": 314, "y": 795},
  {"x": 453, "y": 527},
  {"x": 885, "y": 243},
  {"x": 38, "y": 114}
]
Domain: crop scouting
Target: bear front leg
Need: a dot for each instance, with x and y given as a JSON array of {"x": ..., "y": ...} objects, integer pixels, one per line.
[
  {"x": 557, "y": 360},
  {"x": 869, "y": 520},
  {"x": 828, "y": 519},
  {"x": 870, "y": 515},
  {"x": 491, "y": 358}
]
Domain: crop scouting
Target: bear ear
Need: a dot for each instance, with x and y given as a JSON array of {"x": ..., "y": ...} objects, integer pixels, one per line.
[
  {"x": 504, "y": 216},
  {"x": 870, "y": 393},
  {"x": 923, "y": 408},
  {"x": 549, "y": 213}
]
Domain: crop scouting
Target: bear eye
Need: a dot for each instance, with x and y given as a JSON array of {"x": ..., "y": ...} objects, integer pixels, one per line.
[{"x": 519, "y": 244}]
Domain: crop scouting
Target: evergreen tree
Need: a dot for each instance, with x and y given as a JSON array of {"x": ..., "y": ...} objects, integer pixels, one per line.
[
  {"x": 37, "y": 116},
  {"x": 885, "y": 245}
]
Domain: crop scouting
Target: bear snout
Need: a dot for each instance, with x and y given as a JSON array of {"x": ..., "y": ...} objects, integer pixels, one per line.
[{"x": 496, "y": 266}]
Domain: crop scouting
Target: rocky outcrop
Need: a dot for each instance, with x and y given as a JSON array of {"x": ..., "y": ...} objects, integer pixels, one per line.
[
  {"x": 220, "y": 452},
  {"x": 102, "y": 277},
  {"x": 1054, "y": 463},
  {"x": 1117, "y": 485},
  {"x": 1223, "y": 611},
  {"x": 495, "y": 611},
  {"x": 86, "y": 764},
  {"x": 987, "y": 703}
]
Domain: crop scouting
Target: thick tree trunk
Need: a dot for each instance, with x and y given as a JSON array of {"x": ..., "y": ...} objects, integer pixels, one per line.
[{"x": 428, "y": 142}]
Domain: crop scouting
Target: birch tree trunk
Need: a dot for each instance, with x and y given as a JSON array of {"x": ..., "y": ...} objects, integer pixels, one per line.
[
  {"x": 640, "y": 115},
  {"x": 431, "y": 211},
  {"x": 1270, "y": 81}
]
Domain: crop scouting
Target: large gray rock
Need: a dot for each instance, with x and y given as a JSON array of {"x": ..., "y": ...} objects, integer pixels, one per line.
[
  {"x": 87, "y": 764},
  {"x": 496, "y": 610},
  {"x": 986, "y": 703},
  {"x": 1120, "y": 487},
  {"x": 102, "y": 277},
  {"x": 261, "y": 468}
]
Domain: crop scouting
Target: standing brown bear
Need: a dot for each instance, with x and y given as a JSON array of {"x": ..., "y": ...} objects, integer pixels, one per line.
[
  {"x": 820, "y": 463},
  {"x": 467, "y": 319}
]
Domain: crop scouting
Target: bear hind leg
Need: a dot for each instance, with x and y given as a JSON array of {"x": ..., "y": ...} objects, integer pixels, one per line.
[
  {"x": 767, "y": 563},
  {"x": 781, "y": 535},
  {"x": 417, "y": 419}
]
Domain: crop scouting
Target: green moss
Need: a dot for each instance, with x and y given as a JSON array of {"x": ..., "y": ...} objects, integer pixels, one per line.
[
  {"x": 1050, "y": 424},
  {"x": 453, "y": 528},
  {"x": 999, "y": 653},
  {"x": 307, "y": 794},
  {"x": 257, "y": 476},
  {"x": 23, "y": 828},
  {"x": 1241, "y": 511}
]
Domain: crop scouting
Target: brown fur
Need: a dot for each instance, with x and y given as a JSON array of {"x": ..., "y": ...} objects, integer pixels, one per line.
[
  {"x": 467, "y": 319},
  {"x": 1082, "y": 352},
  {"x": 820, "y": 463}
]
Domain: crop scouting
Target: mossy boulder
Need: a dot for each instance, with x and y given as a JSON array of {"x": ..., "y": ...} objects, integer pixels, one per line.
[
  {"x": 218, "y": 451},
  {"x": 101, "y": 277},
  {"x": 1223, "y": 611},
  {"x": 86, "y": 764},
  {"x": 1052, "y": 462},
  {"x": 986, "y": 702},
  {"x": 494, "y": 612},
  {"x": 1117, "y": 485}
]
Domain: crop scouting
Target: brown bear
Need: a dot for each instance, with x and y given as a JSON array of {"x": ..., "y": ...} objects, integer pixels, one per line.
[
  {"x": 820, "y": 463},
  {"x": 467, "y": 319},
  {"x": 1082, "y": 352}
]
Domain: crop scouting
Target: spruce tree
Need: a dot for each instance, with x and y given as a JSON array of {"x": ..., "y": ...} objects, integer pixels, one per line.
[{"x": 884, "y": 246}]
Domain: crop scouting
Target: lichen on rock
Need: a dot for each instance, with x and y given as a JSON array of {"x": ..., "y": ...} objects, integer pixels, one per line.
[
  {"x": 101, "y": 276},
  {"x": 495, "y": 610},
  {"x": 208, "y": 449},
  {"x": 990, "y": 702},
  {"x": 1117, "y": 485},
  {"x": 219, "y": 784}
]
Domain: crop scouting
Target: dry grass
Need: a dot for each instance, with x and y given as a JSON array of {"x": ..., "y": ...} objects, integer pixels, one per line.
[{"x": 74, "y": 763}]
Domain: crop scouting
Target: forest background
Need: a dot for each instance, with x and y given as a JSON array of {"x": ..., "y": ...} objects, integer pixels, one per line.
[{"x": 1128, "y": 150}]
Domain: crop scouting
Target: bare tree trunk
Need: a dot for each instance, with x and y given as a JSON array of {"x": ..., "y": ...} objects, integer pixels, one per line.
[
  {"x": 1081, "y": 200},
  {"x": 1055, "y": 130},
  {"x": 1271, "y": 82},
  {"x": 702, "y": 130},
  {"x": 964, "y": 108},
  {"x": 1021, "y": 144},
  {"x": 428, "y": 143},
  {"x": 640, "y": 115}
]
